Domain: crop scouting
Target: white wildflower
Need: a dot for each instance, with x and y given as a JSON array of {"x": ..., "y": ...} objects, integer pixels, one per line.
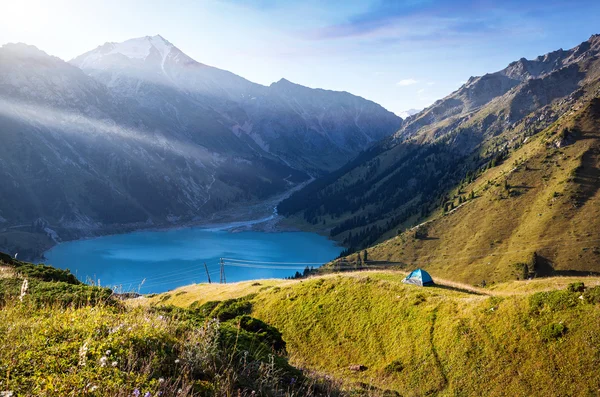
[
  {"x": 177, "y": 361},
  {"x": 24, "y": 288},
  {"x": 108, "y": 353},
  {"x": 161, "y": 380},
  {"x": 103, "y": 361},
  {"x": 7, "y": 393},
  {"x": 83, "y": 354},
  {"x": 93, "y": 388},
  {"x": 114, "y": 363}
]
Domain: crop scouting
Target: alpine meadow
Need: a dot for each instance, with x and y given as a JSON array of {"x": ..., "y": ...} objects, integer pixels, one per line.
[{"x": 279, "y": 198}]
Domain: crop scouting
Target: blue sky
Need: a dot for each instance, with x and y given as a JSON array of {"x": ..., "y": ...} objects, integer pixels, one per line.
[{"x": 401, "y": 54}]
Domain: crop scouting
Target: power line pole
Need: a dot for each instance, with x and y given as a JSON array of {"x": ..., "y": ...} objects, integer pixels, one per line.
[
  {"x": 222, "y": 280},
  {"x": 207, "y": 274}
]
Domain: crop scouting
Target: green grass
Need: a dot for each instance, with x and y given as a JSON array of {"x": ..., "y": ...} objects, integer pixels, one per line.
[
  {"x": 440, "y": 340},
  {"x": 60, "y": 338}
]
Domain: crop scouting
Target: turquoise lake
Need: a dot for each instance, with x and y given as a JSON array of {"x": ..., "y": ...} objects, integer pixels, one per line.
[{"x": 167, "y": 259}]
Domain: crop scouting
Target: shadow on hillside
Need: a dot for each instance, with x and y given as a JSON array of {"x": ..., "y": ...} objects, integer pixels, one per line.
[
  {"x": 456, "y": 289},
  {"x": 587, "y": 177},
  {"x": 545, "y": 268}
]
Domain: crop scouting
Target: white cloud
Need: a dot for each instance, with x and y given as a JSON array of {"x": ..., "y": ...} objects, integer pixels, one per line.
[
  {"x": 407, "y": 82},
  {"x": 422, "y": 90},
  {"x": 430, "y": 82}
]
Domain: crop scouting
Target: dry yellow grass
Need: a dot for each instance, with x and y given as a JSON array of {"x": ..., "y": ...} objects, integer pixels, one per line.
[
  {"x": 202, "y": 293},
  {"x": 6, "y": 272}
]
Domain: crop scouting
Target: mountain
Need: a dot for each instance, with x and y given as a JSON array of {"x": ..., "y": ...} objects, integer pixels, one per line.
[
  {"x": 310, "y": 129},
  {"x": 141, "y": 135},
  {"x": 80, "y": 157},
  {"x": 426, "y": 170}
]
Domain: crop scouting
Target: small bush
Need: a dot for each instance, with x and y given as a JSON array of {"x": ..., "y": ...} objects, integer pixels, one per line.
[
  {"x": 165, "y": 297},
  {"x": 267, "y": 334},
  {"x": 419, "y": 298},
  {"x": 232, "y": 308},
  {"x": 394, "y": 367},
  {"x": 552, "y": 300},
  {"x": 45, "y": 273},
  {"x": 576, "y": 287},
  {"x": 552, "y": 332},
  {"x": 205, "y": 309},
  {"x": 60, "y": 293},
  {"x": 592, "y": 295}
]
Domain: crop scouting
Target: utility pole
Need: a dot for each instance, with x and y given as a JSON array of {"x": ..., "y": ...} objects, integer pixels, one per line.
[
  {"x": 207, "y": 274},
  {"x": 223, "y": 280}
]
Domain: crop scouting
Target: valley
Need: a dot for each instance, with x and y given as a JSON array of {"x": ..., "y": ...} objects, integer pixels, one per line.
[{"x": 299, "y": 199}]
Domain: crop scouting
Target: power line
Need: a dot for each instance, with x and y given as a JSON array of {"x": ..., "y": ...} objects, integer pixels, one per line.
[
  {"x": 273, "y": 263},
  {"x": 160, "y": 276},
  {"x": 264, "y": 266},
  {"x": 172, "y": 277}
]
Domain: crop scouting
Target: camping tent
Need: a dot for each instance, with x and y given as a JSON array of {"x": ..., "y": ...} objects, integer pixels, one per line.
[{"x": 418, "y": 277}]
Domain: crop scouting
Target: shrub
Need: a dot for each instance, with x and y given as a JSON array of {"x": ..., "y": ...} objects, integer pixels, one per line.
[
  {"x": 231, "y": 308},
  {"x": 205, "y": 309},
  {"x": 552, "y": 300},
  {"x": 165, "y": 297},
  {"x": 394, "y": 367},
  {"x": 45, "y": 273},
  {"x": 552, "y": 332},
  {"x": 55, "y": 293},
  {"x": 576, "y": 287},
  {"x": 592, "y": 295},
  {"x": 419, "y": 298},
  {"x": 268, "y": 334}
]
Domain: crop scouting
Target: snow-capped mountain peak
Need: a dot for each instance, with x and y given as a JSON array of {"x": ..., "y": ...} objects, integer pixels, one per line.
[
  {"x": 138, "y": 49},
  {"x": 407, "y": 113}
]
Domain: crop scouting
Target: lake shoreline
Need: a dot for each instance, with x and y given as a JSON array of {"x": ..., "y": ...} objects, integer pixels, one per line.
[
  {"x": 160, "y": 260},
  {"x": 257, "y": 216}
]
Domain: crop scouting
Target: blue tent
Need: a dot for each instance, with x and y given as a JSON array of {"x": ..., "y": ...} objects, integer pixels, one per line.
[{"x": 418, "y": 277}]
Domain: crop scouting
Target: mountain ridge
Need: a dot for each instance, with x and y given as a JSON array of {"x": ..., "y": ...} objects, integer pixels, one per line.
[
  {"x": 422, "y": 171},
  {"x": 125, "y": 147}
]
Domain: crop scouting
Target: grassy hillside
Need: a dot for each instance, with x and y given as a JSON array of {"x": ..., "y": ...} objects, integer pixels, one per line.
[
  {"x": 524, "y": 338},
  {"x": 59, "y": 337},
  {"x": 540, "y": 208},
  {"x": 407, "y": 179},
  {"x": 362, "y": 333}
]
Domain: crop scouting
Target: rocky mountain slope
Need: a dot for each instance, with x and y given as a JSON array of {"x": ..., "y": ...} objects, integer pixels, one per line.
[
  {"x": 313, "y": 130},
  {"x": 143, "y": 135},
  {"x": 417, "y": 174},
  {"x": 536, "y": 214}
]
